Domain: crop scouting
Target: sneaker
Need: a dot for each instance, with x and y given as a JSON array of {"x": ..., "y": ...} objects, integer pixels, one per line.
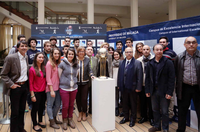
[
  {"x": 30, "y": 107},
  {"x": 26, "y": 110},
  {"x": 60, "y": 112},
  {"x": 153, "y": 129}
]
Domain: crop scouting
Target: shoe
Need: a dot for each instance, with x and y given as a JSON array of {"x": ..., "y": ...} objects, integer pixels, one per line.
[
  {"x": 43, "y": 126},
  {"x": 165, "y": 131},
  {"x": 142, "y": 120},
  {"x": 60, "y": 112},
  {"x": 26, "y": 110},
  {"x": 65, "y": 122},
  {"x": 170, "y": 120},
  {"x": 56, "y": 121},
  {"x": 153, "y": 129},
  {"x": 132, "y": 123},
  {"x": 71, "y": 123},
  {"x": 124, "y": 120},
  {"x": 74, "y": 108},
  {"x": 53, "y": 124},
  {"x": 38, "y": 130},
  {"x": 30, "y": 107},
  {"x": 80, "y": 116},
  {"x": 116, "y": 112},
  {"x": 121, "y": 114},
  {"x": 151, "y": 122},
  {"x": 84, "y": 118}
]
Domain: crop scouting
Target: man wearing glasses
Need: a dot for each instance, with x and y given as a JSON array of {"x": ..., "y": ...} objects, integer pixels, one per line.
[
  {"x": 130, "y": 78},
  {"x": 187, "y": 66}
]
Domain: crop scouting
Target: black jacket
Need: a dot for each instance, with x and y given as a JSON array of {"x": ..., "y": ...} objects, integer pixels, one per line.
[
  {"x": 166, "y": 77},
  {"x": 179, "y": 63}
]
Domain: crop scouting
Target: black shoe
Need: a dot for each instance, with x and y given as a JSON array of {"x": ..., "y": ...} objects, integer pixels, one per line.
[
  {"x": 154, "y": 129},
  {"x": 116, "y": 112},
  {"x": 74, "y": 108},
  {"x": 132, "y": 123},
  {"x": 124, "y": 120},
  {"x": 38, "y": 130},
  {"x": 151, "y": 122},
  {"x": 90, "y": 111},
  {"x": 121, "y": 114},
  {"x": 142, "y": 120},
  {"x": 43, "y": 126}
]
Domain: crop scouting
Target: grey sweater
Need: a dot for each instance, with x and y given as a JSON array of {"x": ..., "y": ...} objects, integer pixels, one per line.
[{"x": 69, "y": 73}]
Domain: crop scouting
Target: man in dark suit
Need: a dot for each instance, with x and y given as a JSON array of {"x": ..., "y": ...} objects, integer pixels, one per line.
[
  {"x": 159, "y": 85},
  {"x": 187, "y": 66},
  {"x": 130, "y": 77},
  {"x": 94, "y": 67},
  {"x": 15, "y": 76}
]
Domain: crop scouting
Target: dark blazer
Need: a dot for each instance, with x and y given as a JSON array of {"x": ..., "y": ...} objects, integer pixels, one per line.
[
  {"x": 11, "y": 70},
  {"x": 94, "y": 68},
  {"x": 134, "y": 74},
  {"x": 166, "y": 77},
  {"x": 179, "y": 66}
]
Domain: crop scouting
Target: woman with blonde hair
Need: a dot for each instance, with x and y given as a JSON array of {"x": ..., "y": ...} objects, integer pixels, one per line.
[
  {"x": 52, "y": 88},
  {"x": 138, "y": 50}
]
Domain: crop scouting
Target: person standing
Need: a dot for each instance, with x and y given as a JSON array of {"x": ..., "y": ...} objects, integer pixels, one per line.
[
  {"x": 15, "y": 76},
  {"x": 52, "y": 88},
  {"x": 14, "y": 48},
  {"x": 68, "y": 70},
  {"x": 138, "y": 50},
  {"x": 37, "y": 82},
  {"x": 47, "y": 51},
  {"x": 144, "y": 101},
  {"x": 159, "y": 85},
  {"x": 170, "y": 54},
  {"x": 115, "y": 66},
  {"x": 76, "y": 42},
  {"x": 94, "y": 67},
  {"x": 187, "y": 65},
  {"x": 130, "y": 76},
  {"x": 84, "y": 74}
]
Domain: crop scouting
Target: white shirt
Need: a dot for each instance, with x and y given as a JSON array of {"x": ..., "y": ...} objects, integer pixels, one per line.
[
  {"x": 24, "y": 69},
  {"x": 127, "y": 61}
]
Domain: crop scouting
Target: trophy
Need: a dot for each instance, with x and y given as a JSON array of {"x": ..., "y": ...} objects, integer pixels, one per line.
[{"x": 102, "y": 62}]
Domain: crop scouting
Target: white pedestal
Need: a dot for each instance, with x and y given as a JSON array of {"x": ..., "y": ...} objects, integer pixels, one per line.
[{"x": 103, "y": 104}]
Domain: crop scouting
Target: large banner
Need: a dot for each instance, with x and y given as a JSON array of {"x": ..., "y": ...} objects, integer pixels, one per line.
[
  {"x": 176, "y": 31},
  {"x": 94, "y": 32}
]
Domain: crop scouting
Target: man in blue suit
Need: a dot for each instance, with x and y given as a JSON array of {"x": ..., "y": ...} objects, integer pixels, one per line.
[{"x": 130, "y": 78}]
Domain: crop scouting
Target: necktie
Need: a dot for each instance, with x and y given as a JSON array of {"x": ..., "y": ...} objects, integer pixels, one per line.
[
  {"x": 90, "y": 62},
  {"x": 127, "y": 64}
]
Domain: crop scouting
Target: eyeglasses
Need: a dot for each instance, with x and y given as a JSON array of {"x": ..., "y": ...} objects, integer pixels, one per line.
[
  {"x": 189, "y": 42},
  {"x": 128, "y": 52}
]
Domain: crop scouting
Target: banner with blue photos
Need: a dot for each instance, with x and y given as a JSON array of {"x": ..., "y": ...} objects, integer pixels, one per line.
[
  {"x": 176, "y": 31},
  {"x": 94, "y": 32}
]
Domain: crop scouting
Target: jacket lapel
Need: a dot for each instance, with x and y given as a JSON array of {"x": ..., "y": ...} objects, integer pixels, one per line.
[{"x": 18, "y": 63}]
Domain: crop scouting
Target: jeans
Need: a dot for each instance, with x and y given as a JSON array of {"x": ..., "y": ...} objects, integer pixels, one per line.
[
  {"x": 68, "y": 98},
  {"x": 53, "y": 104},
  {"x": 160, "y": 103}
]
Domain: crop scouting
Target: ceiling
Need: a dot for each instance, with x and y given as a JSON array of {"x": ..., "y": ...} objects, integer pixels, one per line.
[{"x": 148, "y": 9}]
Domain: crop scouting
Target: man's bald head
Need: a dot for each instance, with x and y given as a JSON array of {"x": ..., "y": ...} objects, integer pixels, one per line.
[
  {"x": 129, "y": 53},
  {"x": 191, "y": 44},
  {"x": 146, "y": 50}
]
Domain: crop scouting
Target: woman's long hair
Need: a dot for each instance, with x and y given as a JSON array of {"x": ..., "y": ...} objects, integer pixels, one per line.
[
  {"x": 54, "y": 62},
  {"x": 74, "y": 61},
  {"x": 137, "y": 53},
  {"x": 35, "y": 66}
]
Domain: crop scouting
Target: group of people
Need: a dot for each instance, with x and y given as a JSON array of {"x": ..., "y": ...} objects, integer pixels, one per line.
[{"x": 58, "y": 77}]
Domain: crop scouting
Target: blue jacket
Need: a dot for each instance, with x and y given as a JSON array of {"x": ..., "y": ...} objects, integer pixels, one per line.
[
  {"x": 166, "y": 77},
  {"x": 134, "y": 77}
]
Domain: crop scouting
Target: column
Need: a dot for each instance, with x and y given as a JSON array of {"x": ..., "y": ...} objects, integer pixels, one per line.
[
  {"x": 90, "y": 11},
  {"x": 41, "y": 12},
  {"x": 134, "y": 13},
  {"x": 172, "y": 10}
]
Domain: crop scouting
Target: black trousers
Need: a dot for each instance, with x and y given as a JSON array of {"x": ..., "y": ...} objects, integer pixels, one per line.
[
  {"x": 145, "y": 102},
  {"x": 81, "y": 98},
  {"x": 90, "y": 99},
  {"x": 188, "y": 92},
  {"x": 18, "y": 103},
  {"x": 130, "y": 102},
  {"x": 38, "y": 107}
]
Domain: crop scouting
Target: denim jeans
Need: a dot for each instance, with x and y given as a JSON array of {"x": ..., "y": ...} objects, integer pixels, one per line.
[
  {"x": 53, "y": 104},
  {"x": 160, "y": 103}
]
